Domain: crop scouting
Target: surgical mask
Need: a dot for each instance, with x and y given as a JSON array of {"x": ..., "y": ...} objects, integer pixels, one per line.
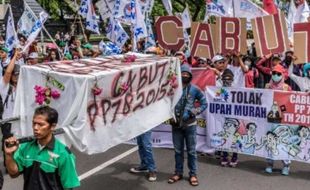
[
  {"x": 187, "y": 53},
  {"x": 247, "y": 63},
  {"x": 288, "y": 59},
  {"x": 186, "y": 80},
  {"x": 276, "y": 78},
  {"x": 227, "y": 83}
]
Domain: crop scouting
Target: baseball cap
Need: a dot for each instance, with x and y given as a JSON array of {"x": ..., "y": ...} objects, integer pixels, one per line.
[
  {"x": 6, "y": 50},
  {"x": 87, "y": 46},
  {"x": 217, "y": 58},
  {"x": 278, "y": 68}
]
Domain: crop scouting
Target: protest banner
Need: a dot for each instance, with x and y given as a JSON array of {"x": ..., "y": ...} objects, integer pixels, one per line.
[
  {"x": 231, "y": 35},
  {"x": 169, "y": 30},
  {"x": 237, "y": 120},
  {"x": 270, "y": 34},
  {"x": 301, "y": 37},
  {"x": 294, "y": 108},
  {"x": 101, "y": 102},
  {"x": 203, "y": 43}
]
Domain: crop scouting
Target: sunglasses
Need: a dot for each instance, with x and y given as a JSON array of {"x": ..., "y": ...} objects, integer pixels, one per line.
[{"x": 276, "y": 73}]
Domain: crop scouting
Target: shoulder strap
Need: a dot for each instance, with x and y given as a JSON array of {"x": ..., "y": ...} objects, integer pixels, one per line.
[{"x": 7, "y": 96}]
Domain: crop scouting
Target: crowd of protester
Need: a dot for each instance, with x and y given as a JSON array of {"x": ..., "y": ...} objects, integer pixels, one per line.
[{"x": 273, "y": 71}]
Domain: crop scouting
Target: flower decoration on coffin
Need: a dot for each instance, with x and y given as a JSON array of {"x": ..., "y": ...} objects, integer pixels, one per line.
[
  {"x": 96, "y": 90},
  {"x": 44, "y": 95},
  {"x": 123, "y": 87},
  {"x": 129, "y": 59},
  {"x": 173, "y": 81}
]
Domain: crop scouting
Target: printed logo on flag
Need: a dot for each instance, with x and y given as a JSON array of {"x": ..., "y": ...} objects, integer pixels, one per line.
[
  {"x": 128, "y": 12},
  {"x": 216, "y": 6},
  {"x": 221, "y": 95}
]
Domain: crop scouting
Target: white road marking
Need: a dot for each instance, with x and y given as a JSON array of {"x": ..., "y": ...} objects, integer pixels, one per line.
[{"x": 106, "y": 164}]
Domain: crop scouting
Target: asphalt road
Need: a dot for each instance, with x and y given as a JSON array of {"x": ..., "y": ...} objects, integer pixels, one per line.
[{"x": 115, "y": 176}]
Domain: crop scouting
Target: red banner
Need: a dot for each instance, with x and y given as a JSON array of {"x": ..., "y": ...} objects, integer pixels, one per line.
[{"x": 295, "y": 107}]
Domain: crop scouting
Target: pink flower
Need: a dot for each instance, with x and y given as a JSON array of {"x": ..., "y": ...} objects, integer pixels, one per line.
[
  {"x": 174, "y": 84},
  {"x": 130, "y": 58},
  {"x": 97, "y": 91},
  {"x": 124, "y": 87},
  {"x": 40, "y": 99},
  {"x": 39, "y": 89},
  {"x": 55, "y": 94}
]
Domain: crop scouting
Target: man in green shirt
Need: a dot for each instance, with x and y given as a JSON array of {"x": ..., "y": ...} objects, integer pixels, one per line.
[{"x": 45, "y": 163}]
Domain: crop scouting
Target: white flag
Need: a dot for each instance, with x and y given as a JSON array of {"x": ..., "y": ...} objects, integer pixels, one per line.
[
  {"x": 91, "y": 19},
  {"x": 297, "y": 14},
  {"x": 105, "y": 8},
  {"x": 168, "y": 6},
  {"x": 116, "y": 33},
  {"x": 140, "y": 30},
  {"x": 150, "y": 39},
  {"x": 219, "y": 8},
  {"x": 249, "y": 10},
  {"x": 11, "y": 37},
  {"x": 146, "y": 6},
  {"x": 36, "y": 29},
  {"x": 186, "y": 18},
  {"x": 26, "y": 22},
  {"x": 83, "y": 8},
  {"x": 122, "y": 11}
]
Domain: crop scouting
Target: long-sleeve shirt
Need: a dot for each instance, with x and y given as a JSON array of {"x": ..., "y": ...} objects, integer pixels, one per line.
[
  {"x": 191, "y": 95},
  {"x": 267, "y": 70}
]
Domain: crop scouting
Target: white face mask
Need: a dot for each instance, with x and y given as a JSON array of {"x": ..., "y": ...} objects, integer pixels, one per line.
[{"x": 247, "y": 63}]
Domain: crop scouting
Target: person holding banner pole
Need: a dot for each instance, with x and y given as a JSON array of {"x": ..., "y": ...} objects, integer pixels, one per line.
[
  {"x": 227, "y": 79},
  {"x": 277, "y": 83},
  {"x": 45, "y": 162},
  {"x": 184, "y": 127}
]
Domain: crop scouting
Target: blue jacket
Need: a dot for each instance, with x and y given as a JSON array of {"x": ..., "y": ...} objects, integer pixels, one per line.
[{"x": 193, "y": 94}]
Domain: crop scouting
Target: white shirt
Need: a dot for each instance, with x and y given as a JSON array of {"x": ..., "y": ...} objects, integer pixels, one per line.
[
  {"x": 239, "y": 77},
  {"x": 9, "y": 107}
]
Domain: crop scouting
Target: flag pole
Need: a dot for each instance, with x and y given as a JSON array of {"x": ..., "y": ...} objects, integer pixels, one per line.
[{"x": 233, "y": 6}]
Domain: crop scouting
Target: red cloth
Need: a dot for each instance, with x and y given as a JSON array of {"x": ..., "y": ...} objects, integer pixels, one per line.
[
  {"x": 203, "y": 77},
  {"x": 249, "y": 78},
  {"x": 270, "y": 7}
]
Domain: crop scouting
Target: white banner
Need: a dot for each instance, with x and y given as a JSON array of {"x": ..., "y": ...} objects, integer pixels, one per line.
[
  {"x": 247, "y": 121},
  {"x": 26, "y": 22},
  {"x": 102, "y": 102}
]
